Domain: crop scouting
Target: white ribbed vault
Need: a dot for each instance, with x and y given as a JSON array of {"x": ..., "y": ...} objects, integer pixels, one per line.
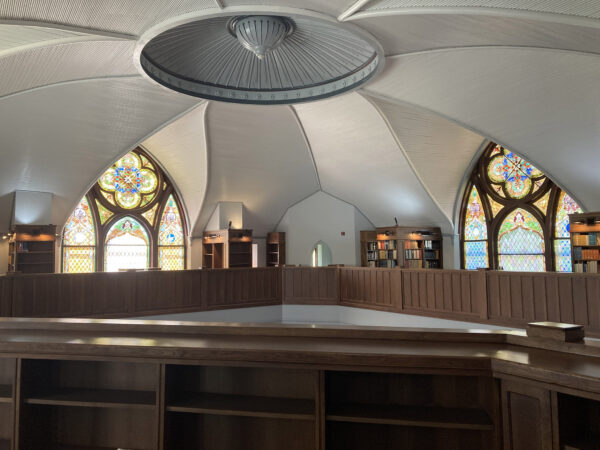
[{"x": 523, "y": 73}]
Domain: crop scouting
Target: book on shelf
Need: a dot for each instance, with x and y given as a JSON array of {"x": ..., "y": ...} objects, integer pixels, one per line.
[
  {"x": 411, "y": 245},
  {"x": 414, "y": 264},
  {"x": 413, "y": 254},
  {"x": 386, "y": 263},
  {"x": 586, "y": 267},
  {"x": 586, "y": 253},
  {"x": 431, "y": 245},
  {"x": 585, "y": 239}
]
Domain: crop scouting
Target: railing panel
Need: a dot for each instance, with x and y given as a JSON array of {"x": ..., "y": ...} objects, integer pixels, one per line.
[
  {"x": 311, "y": 286},
  {"x": 371, "y": 288}
]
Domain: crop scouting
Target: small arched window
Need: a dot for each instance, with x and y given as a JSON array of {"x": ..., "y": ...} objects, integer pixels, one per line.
[
  {"x": 132, "y": 202},
  {"x": 513, "y": 216}
]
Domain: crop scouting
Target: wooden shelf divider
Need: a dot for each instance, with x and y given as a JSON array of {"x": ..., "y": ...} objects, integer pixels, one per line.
[
  {"x": 412, "y": 416},
  {"x": 243, "y": 405},
  {"x": 6, "y": 393},
  {"x": 95, "y": 398}
]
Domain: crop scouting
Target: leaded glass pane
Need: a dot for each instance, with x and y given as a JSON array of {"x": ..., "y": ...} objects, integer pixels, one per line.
[
  {"x": 79, "y": 259},
  {"x": 496, "y": 207},
  {"x": 513, "y": 172},
  {"x": 562, "y": 255},
  {"x": 476, "y": 255},
  {"x": 151, "y": 214},
  {"x": 79, "y": 229},
  {"x": 171, "y": 228},
  {"x": 126, "y": 246},
  {"x": 171, "y": 258},
  {"x": 104, "y": 213},
  {"x": 475, "y": 223},
  {"x": 521, "y": 243},
  {"x": 566, "y": 206},
  {"x": 542, "y": 203},
  {"x": 127, "y": 181}
]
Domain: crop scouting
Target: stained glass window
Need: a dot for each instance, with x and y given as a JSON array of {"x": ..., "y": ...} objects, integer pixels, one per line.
[
  {"x": 496, "y": 207},
  {"x": 133, "y": 182},
  {"x": 542, "y": 203},
  {"x": 562, "y": 243},
  {"x": 521, "y": 243},
  {"x": 475, "y": 233},
  {"x": 171, "y": 238},
  {"x": 79, "y": 240},
  {"x": 132, "y": 209},
  {"x": 127, "y": 246},
  {"x": 515, "y": 175}
]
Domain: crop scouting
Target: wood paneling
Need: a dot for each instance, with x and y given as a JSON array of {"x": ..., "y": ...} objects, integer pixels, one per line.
[
  {"x": 371, "y": 288},
  {"x": 311, "y": 286},
  {"x": 519, "y": 298},
  {"x": 5, "y": 296}
]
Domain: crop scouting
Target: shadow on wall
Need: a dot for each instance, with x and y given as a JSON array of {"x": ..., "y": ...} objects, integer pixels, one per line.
[{"x": 321, "y": 255}]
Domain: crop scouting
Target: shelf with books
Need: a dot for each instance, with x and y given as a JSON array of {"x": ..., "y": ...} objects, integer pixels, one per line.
[{"x": 585, "y": 242}]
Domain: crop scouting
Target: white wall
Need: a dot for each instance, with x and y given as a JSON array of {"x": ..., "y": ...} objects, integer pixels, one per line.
[
  {"x": 33, "y": 208},
  {"x": 322, "y": 217}
]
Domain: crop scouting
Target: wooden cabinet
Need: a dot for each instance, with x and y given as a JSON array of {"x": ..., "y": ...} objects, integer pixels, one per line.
[
  {"x": 275, "y": 249},
  {"x": 404, "y": 247},
  {"x": 7, "y": 401},
  {"x": 527, "y": 417},
  {"x": 585, "y": 241},
  {"x": 31, "y": 249},
  {"x": 223, "y": 249}
]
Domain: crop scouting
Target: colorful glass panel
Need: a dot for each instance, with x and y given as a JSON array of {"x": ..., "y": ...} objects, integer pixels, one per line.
[
  {"x": 150, "y": 215},
  {"x": 128, "y": 180},
  {"x": 562, "y": 255},
  {"x": 566, "y": 206},
  {"x": 496, "y": 207},
  {"x": 171, "y": 229},
  {"x": 104, "y": 213},
  {"x": 79, "y": 259},
  {"x": 521, "y": 243},
  {"x": 513, "y": 172},
  {"x": 475, "y": 223},
  {"x": 109, "y": 197},
  {"x": 476, "y": 254},
  {"x": 126, "y": 246},
  {"x": 542, "y": 203},
  {"x": 80, "y": 229},
  {"x": 171, "y": 258}
]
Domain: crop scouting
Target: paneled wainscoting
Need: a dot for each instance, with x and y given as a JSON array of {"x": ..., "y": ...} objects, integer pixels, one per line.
[{"x": 492, "y": 297}]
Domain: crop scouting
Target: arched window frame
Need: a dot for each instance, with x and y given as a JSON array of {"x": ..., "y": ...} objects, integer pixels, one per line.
[
  {"x": 165, "y": 190},
  {"x": 480, "y": 180}
]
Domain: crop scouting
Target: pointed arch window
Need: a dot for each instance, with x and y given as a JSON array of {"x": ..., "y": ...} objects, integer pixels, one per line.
[
  {"x": 135, "y": 218},
  {"x": 79, "y": 240},
  {"x": 513, "y": 216}
]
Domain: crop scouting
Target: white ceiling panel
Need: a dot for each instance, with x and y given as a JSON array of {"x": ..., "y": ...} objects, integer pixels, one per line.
[
  {"x": 331, "y": 7},
  {"x": 440, "y": 151},
  {"x": 406, "y": 33},
  {"x": 130, "y": 17},
  {"x": 542, "y": 104},
  {"x": 14, "y": 36},
  {"x": 43, "y": 66},
  {"x": 59, "y": 139},
  {"x": 583, "y": 8},
  {"x": 258, "y": 156},
  {"x": 180, "y": 147},
  {"x": 360, "y": 162}
]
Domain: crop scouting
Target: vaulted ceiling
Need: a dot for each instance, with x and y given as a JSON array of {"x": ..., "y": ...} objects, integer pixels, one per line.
[{"x": 457, "y": 73}]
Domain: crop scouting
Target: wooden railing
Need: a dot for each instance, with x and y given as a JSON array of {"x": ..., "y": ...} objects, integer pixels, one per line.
[{"x": 501, "y": 298}]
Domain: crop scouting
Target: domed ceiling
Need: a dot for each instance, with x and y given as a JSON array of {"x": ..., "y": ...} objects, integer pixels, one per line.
[{"x": 449, "y": 76}]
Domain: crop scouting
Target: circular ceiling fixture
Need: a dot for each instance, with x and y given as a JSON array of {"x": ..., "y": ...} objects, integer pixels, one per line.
[{"x": 262, "y": 59}]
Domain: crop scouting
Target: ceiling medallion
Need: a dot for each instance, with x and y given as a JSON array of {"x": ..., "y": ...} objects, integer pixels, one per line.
[{"x": 262, "y": 59}]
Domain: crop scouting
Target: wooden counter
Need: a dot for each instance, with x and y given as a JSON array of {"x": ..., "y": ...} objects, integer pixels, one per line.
[{"x": 79, "y": 383}]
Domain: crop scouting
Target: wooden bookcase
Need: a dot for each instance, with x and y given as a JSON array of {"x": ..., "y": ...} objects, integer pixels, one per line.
[
  {"x": 402, "y": 247},
  {"x": 223, "y": 249},
  {"x": 32, "y": 249},
  {"x": 585, "y": 241},
  {"x": 275, "y": 249}
]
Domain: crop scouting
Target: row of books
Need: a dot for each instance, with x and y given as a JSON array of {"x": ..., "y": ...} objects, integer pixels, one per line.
[
  {"x": 413, "y": 254},
  {"x": 432, "y": 264},
  {"x": 389, "y": 263},
  {"x": 414, "y": 264},
  {"x": 585, "y": 239},
  {"x": 381, "y": 245},
  {"x": 586, "y": 267},
  {"x": 382, "y": 254},
  {"x": 411, "y": 244},
  {"x": 431, "y": 245},
  {"x": 586, "y": 253},
  {"x": 432, "y": 254}
]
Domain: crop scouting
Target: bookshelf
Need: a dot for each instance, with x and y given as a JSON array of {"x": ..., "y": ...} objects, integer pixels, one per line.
[
  {"x": 223, "y": 249},
  {"x": 275, "y": 249},
  {"x": 402, "y": 247},
  {"x": 585, "y": 241},
  {"x": 31, "y": 249}
]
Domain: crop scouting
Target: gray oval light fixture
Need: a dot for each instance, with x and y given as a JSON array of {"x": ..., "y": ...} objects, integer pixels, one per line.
[
  {"x": 262, "y": 59},
  {"x": 261, "y": 34}
]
